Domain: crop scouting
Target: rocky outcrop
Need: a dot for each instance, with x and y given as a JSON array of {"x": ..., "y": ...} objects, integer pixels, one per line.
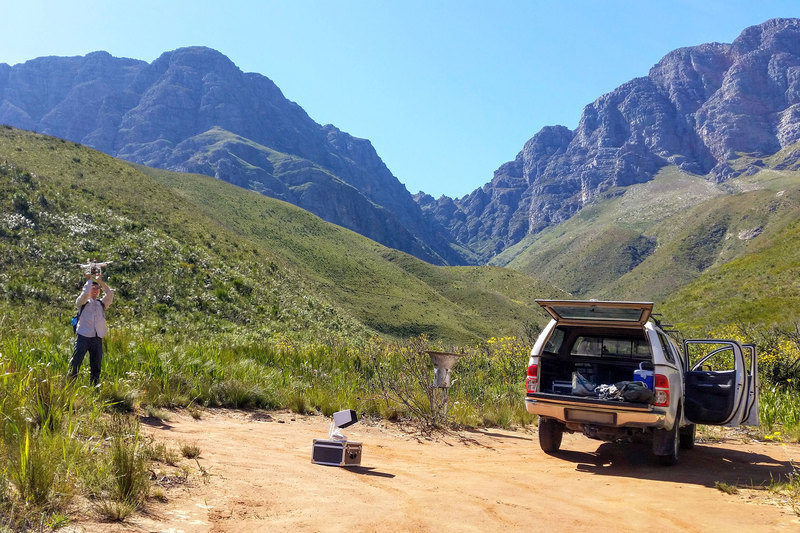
[
  {"x": 193, "y": 110},
  {"x": 698, "y": 108}
]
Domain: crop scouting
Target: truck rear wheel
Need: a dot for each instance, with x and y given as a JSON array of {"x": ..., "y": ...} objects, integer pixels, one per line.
[
  {"x": 666, "y": 443},
  {"x": 673, "y": 436},
  {"x": 550, "y": 433}
]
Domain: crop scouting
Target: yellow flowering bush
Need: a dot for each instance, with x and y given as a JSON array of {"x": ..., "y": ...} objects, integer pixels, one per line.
[
  {"x": 492, "y": 377},
  {"x": 777, "y": 353}
]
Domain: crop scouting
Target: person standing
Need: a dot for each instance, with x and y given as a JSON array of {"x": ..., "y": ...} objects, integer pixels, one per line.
[{"x": 91, "y": 327}]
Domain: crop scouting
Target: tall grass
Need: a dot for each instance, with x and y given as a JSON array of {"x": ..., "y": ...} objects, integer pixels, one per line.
[
  {"x": 59, "y": 438},
  {"x": 779, "y": 407},
  {"x": 127, "y": 465},
  {"x": 40, "y": 446}
]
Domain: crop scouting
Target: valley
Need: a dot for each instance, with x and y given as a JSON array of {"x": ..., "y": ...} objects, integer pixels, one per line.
[
  {"x": 269, "y": 271},
  {"x": 258, "y": 264}
]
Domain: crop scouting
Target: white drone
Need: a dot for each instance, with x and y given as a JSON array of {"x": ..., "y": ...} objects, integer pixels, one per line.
[
  {"x": 342, "y": 419},
  {"x": 92, "y": 266}
]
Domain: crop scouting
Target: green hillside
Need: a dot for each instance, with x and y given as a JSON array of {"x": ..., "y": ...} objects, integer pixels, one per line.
[
  {"x": 607, "y": 239},
  {"x": 191, "y": 254},
  {"x": 715, "y": 252},
  {"x": 761, "y": 288},
  {"x": 746, "y": 221},
  {"x": 762, "y": 283},
  {"x": 389, "y": 291}
]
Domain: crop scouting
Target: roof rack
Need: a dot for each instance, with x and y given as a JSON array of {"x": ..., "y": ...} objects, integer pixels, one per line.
[{"x": 657, "y": 319}]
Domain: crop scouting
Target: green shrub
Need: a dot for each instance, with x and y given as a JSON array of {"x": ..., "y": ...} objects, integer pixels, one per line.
[
  {"x": 130, "y": 479},
  {"x": 190, "y": 451},
  {"x": 36, "y": 467}
]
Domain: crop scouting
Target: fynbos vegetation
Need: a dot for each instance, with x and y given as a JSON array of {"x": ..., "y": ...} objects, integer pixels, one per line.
[{"x": 227, "y": 299}]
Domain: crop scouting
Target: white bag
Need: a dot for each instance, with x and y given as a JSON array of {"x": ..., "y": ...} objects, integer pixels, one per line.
[{"x": 582, "y": 386}]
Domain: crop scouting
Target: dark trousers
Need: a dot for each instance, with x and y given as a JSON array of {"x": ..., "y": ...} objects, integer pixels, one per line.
[{"x": 93, "y": 345}]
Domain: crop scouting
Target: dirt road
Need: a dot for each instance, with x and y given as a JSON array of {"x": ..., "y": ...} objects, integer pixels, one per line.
[{"x": 255, "y": 474}]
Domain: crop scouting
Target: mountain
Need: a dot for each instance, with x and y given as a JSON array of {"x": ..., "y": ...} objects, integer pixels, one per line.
[
  {"x": 193, "y": 255},
  {"x": 699, "y": 109},
  {"x": 648, "y": 241},
  {"x": 713, "y": 111},
  {"x": 193, "y": 110}
]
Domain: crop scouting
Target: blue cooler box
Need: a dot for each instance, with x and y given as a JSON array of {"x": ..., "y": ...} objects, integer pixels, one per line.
[{"x": 644, "y": 375}]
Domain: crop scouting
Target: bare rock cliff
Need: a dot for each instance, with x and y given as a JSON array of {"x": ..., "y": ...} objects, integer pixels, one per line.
[{"x": 698, "y": 108}]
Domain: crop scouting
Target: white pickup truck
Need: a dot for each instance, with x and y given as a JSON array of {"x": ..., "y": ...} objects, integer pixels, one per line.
[{"x": 592, "y": 350}]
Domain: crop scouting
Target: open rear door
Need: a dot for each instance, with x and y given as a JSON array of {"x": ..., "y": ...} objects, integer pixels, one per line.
[
  {"x": 720, "y": 382},
  {"x": 596, "y": 312}
]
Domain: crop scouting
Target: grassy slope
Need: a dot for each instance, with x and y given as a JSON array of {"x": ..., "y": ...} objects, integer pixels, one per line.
[
  {"x": 588, "y": 252},
  {"x": 388, "y": 290},
  {"x": 64, "y": 203},
  {"x": 761, "y": 284},
  {"x": 197, "y": 250},
  {"x": 724, "y": 252},
  {"x": 714, "y": 233}
]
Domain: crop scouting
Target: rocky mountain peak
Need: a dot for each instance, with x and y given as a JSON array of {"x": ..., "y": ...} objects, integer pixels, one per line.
[
  {"x": 774, "y": 35},
  {"x": 197, "y": 64},
  {"x": 698, "y": 108},
  {"x": 194, "y": 110}
]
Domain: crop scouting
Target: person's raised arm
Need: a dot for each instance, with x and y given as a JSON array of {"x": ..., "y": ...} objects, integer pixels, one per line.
[
  {"x": 108, "y": 292},
  {"x": 83, "y": 297}
]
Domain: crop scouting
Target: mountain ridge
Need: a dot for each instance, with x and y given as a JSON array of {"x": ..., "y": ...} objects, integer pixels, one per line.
[
  {"x": 159, "y": 114},
  {"x": 193, "y": 254},
  {"x": 699, "y": 108},
  {"x": 713, "y": 110}
]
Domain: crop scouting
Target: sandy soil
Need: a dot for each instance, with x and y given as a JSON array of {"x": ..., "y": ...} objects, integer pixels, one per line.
[{"x": 255, "y": 474}]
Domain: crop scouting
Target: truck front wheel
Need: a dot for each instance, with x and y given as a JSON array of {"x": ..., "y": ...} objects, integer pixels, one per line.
[
  {"x": 687, "y": 436},
  {"x": 550, "y": 433}
]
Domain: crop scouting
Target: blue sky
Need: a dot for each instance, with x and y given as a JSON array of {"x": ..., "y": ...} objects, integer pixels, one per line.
[{"x": 446, "y": 91}]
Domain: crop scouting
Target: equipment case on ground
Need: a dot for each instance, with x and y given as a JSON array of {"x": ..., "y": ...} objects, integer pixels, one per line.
[{"x": 336, "y": 452}]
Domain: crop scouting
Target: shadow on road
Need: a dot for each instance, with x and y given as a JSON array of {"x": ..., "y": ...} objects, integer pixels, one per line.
[
  {"x": 488, "y": 433},
  {"x": 704, "y": 465},
  {"x": 368, "y": 471},
  {"x": 154, "y": 422}
]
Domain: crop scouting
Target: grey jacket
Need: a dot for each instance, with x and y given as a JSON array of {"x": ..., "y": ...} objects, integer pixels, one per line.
[{"x": 92, "y": 320}]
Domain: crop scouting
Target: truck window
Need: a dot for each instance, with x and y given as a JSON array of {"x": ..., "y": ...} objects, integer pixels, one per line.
[
  {"x": 622, "y": 347},
  {"x": 666, "y": 347},
  {"x": 712, "y": 356},
  {"x": 588, "y": 346},
  {"x": 555, "y": 341}
]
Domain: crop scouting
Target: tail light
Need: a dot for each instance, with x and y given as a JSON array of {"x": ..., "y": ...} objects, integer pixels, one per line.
[
  {"x": 661, "y": 387},
  {"x": 532, "y": 383}
]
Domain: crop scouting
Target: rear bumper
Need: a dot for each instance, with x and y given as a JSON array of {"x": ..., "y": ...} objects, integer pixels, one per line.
[{"x": 576, "y": 410}]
